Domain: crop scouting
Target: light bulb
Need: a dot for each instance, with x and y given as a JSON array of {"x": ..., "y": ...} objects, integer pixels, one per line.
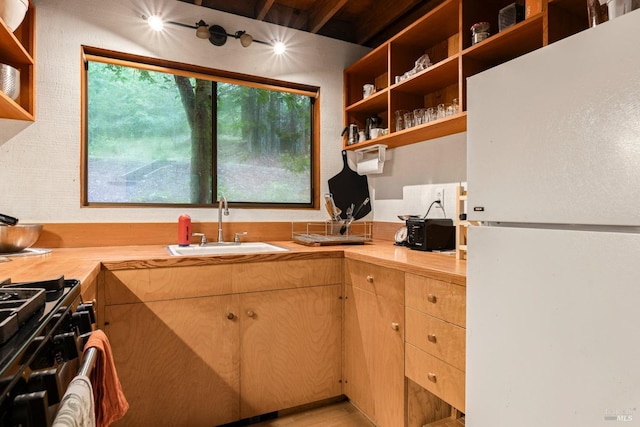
[
  {"x": 203, "y": 30},
  {"x": 246, "y": 39},
  {"x": 155, "y": 22},
  {"x": 279, "y": 48}
]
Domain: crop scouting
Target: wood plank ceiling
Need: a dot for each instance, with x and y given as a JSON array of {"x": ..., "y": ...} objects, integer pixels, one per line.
[{"x": 364, "y": 22}]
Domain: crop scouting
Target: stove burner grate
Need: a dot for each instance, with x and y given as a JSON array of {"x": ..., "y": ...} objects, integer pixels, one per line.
[{"x": 17, "y": 305}]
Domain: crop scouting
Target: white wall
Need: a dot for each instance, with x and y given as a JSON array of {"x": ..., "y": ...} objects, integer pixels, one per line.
[
  {"x": 39, "y": 173},
  {"x": 436, "y": 161},
  {"x": 39, "y": 162},
  {"x": 413, "y": 173}
]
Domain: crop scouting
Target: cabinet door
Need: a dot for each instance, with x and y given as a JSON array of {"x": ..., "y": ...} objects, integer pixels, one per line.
[
  {"x": 374, "y": 356},
  {"x": 359, "y": 317},
  {"x": 290, "y": 348},
  {"x": 177, "y": 360}
]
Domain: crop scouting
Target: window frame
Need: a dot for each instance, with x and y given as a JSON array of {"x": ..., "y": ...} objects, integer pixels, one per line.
[{"x": 94, "y": 54}]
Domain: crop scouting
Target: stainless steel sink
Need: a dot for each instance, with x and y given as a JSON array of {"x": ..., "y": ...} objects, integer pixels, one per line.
[{"x": 224, "y": 248}]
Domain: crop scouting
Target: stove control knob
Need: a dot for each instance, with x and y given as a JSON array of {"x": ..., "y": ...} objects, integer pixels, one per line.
[
  {"x": 82, "y": 321},
  {"x": 66, "y": 347},
  {"x": 46, "y": 380},
  {"x": 30, "y": 409},
  {"x": 88, "y": 307}
]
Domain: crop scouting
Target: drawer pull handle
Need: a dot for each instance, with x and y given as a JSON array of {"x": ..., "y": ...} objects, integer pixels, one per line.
[
  {"x": 432, "y": 338},
  {"x": 251, "y": 313},
  {"x": 395, "y": 326},
  {"x": 370, "y": 278},
  {"x": 432, "y": 377},
  {"x": 432, "y": 298},
  {"x": 231, "y": 316}
]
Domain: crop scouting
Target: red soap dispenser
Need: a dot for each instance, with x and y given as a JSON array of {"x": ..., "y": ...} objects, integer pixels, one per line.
[{"x": 184, "y": 230}]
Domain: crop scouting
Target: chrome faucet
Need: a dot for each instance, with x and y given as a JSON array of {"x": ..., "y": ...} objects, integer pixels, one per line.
[{"x": 222, "y": 201}]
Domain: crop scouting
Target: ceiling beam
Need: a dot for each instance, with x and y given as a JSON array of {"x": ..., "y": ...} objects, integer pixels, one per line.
[
  {"x": 380, "y": 17},
  {"x": 322, "y": 11},
  {"x": 262, "y": 8}
]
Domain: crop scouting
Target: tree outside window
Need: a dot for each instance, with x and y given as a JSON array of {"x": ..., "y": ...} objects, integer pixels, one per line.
[{"x": 157, "y": 136}]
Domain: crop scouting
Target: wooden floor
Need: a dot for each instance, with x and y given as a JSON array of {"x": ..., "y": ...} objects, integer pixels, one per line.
[{"x": 341, "y": 414}]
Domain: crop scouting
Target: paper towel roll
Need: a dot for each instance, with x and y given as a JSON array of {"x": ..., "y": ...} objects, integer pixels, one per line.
[{"x": 369, "y": 166}]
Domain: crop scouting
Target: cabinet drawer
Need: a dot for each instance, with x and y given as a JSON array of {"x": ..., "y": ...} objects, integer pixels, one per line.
[
  {"x": 440, "y": 299},
  {"x": 436, "y": 376},
  {"x": 384, "y": 282},
  {"x": 272, "y": 275},
  {"x": 159, "y": 284},
  {"x": 443, "y": 340}
]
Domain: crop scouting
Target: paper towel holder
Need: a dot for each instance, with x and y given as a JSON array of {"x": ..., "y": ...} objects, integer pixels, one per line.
[{"x": 370, "y": 159}]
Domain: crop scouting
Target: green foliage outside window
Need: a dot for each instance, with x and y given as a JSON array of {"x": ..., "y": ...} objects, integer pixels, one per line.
[{"x": 160, "y": 138}]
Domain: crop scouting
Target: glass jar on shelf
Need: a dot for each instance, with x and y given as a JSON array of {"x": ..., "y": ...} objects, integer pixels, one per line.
[{"x": 479, "y": 32}]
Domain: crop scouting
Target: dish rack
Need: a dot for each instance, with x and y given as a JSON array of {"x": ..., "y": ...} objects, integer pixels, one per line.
[{"x": 328, "y": 233}]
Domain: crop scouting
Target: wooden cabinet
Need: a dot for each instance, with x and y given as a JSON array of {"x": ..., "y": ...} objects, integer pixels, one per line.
[
  {"x": 208, "y": 345},
  {"x": 178, "y": 360},
  {"x": 291, "y": 348},
  {"x": 374, "y": 341},
  {"x": 444, "y": 34},
  {"x": 436, "y": 34},
  {"x": 18, "y": 50},
  {"x": 435, "y": 337}
]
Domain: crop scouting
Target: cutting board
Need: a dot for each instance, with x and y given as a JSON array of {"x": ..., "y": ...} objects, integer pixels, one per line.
[{"x": 348, "y": 187}]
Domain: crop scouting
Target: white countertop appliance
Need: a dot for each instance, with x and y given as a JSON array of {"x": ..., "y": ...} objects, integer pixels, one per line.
[{"x": 553, "y": 285}]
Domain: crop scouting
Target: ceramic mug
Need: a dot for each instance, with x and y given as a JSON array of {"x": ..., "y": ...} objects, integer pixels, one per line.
[{"x": 367, "y": 90}]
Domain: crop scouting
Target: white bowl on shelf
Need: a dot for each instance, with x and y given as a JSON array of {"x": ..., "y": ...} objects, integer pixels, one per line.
[{"x": 12, "y": 12}]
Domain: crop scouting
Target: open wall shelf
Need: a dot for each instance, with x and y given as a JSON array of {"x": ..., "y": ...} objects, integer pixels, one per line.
[
  {"x": 17, "y": 49},
  {"x": 444, "y": 34}
]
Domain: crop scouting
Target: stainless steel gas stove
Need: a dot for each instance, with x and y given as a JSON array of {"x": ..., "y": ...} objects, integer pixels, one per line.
[{"x": 42, "y": 330}]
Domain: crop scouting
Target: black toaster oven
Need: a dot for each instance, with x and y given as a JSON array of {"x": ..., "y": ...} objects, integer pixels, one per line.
[{"x": 430, "y": 234}]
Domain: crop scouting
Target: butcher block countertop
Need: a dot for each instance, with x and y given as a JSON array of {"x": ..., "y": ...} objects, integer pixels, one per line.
[{"x": 85, "y": 263}]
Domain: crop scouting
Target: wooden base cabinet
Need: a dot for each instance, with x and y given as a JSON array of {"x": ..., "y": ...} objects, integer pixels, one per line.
[
  {"x": 290, "y": 348},
  {"x": 374, "y": 342},
  {"x": 209, "y": 345},
  {"x": 435, "y": 337},
  {"x": 178, "y": 360}
]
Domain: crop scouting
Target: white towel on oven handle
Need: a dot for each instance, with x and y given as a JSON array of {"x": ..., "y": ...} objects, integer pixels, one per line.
[{"x": 77, "y": 408}]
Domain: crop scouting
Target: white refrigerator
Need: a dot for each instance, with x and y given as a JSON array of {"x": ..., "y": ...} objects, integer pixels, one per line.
[{"x": 553, "y": 285}]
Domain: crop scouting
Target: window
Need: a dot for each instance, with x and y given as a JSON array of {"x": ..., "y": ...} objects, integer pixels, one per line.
[{"x": 160, "y": 133}]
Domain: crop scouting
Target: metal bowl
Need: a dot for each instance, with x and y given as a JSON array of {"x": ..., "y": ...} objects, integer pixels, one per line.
[
  {"x": 15, "y": 238},
  {"x": 10, "y": 81}
]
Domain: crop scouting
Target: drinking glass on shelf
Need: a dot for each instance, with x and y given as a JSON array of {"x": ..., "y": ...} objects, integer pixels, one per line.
[
  {"x": 448, "y": 110},
  {"x": 408, "y": 120},
  {"x": 441, "y": 113},
  {"x": 455, "y": 105},
  {"x": 432, "y": 113},
  {"x": 400, "y": 124},
  {"x": 418, "y": 116}
]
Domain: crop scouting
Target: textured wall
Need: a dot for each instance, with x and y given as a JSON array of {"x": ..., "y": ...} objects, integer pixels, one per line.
[
  {"x": 39, "y": 173},
  {"x": 39, "y": 162}
]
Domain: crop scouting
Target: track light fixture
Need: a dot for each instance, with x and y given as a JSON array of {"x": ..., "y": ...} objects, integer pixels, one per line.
[{"x": 216, "y": 34}]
